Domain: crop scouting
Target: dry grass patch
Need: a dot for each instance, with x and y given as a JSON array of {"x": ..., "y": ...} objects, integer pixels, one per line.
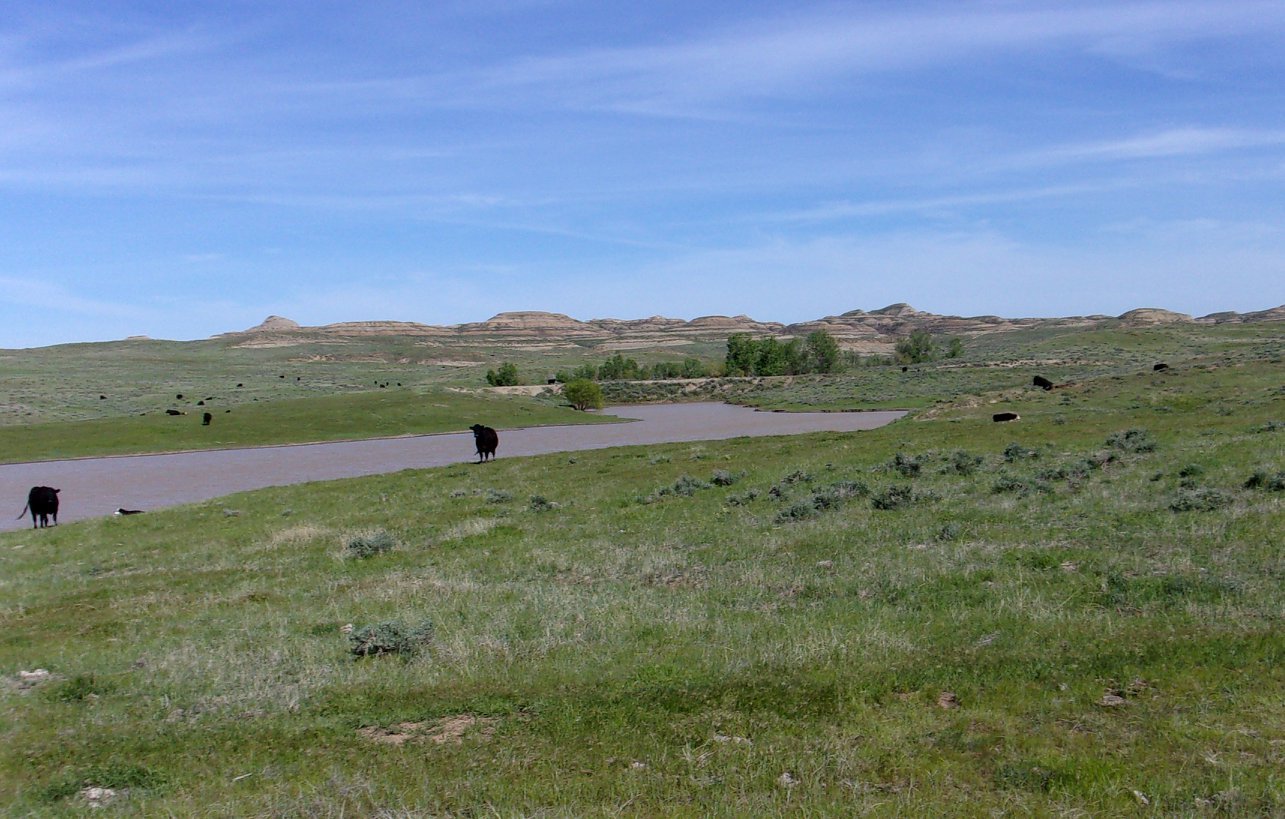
[{"x": 447, "y": 730}]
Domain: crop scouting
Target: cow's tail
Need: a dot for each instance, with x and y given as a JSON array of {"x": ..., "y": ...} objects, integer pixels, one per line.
[{"x": 23, "y": 513}]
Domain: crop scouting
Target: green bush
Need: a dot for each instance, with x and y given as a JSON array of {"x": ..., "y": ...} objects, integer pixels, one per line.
[
  {"x": 369, "y": 545},
  {"x": 390, "y": 637},
  {"x": 505, "y": 376},
  {"x": 583, "y": 394}
]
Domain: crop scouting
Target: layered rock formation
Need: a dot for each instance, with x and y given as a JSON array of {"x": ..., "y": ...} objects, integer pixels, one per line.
[{"x": 873, "y": 331}]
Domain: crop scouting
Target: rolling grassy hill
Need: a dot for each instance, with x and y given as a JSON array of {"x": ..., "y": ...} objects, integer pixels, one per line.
[{"x": 1077, "y": 613}]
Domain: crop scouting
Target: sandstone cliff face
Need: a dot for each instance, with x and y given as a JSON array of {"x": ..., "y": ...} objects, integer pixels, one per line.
[
  {"x": 859, "y": 330},
  {"x": 1146, "y": 316}
]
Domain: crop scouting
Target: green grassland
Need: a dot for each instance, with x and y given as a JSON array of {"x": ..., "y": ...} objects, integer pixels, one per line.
[
  {"x": 1076, "y": 614},
  {"x": 366, "y": 414}
]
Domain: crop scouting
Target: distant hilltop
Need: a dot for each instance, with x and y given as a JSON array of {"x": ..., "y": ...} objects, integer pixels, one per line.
[{"x": 859, "y": 330}]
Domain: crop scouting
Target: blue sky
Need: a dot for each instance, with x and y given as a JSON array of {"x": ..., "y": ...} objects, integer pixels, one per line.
[{"x": 183, "y": 169}]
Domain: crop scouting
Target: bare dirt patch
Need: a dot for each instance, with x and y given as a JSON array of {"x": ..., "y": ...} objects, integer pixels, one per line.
[{"x": 447, "y": 730}]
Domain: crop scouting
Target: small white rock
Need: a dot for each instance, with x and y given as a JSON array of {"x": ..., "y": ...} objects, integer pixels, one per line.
[{"x": 97, "y": 797}]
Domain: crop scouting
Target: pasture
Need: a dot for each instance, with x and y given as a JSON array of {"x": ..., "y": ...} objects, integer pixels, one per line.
[{"x": 1078, "y": 613}]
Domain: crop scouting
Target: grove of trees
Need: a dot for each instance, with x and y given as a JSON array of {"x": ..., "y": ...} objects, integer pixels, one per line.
[
  {"x": 620, "y": 368},
  {"x": 817, "y": 353}
]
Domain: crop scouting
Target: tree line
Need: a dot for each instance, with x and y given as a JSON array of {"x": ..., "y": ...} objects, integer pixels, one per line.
[{"x": 818, "y": 352}]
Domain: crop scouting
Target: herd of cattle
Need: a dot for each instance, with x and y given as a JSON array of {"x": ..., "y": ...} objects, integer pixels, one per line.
[{"x": 42, "y": 501}]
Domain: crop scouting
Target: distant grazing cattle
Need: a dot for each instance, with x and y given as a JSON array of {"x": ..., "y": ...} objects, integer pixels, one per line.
[
  {"x": 905, "y": 369},
  {"x": 174, "y": 412},
  {"x": 1005, "y": 416},
  {"x": 178, "y": 397},
  {"x": 487, "y": 440},
  {"x": 102, "y": 398},
  {"x": 120, "y": 512},
  {"x": 240, "y": 385},
  {"x": 1158, "y": 367},
  {"x": 206, "y": 419},
  {"x": 1043, "y": 383},
  {"x": 43, "y": 503}
]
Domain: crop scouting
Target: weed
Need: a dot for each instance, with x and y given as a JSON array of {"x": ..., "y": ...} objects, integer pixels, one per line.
[
  {"x": 1016, "y": 452},
  {"x": 115, "y": 775},
  {"x": 390, "y": 637},
  {"x": 77, "y": 689},
  {"x": 799, "y": 510},
  {"x": 722, "y": 477},
  {"x": 907, "y": 465},
  {"x": 498, "y": 496},
  {"x": 539, "y": 503},
  {"x": 369, "y": 544},
  {"x": 1262, "y": 480},
  {"x": 963, "y": 463},
  {"x": 1199, "y": 500},
  {"x": 1025, "y": 776},
  {"x": 949, "y": 531},
  {"x": 1005, "y": 484},
  {"x": 685, "y": 486},
  {"x": 1132, "y": 440},
  {"x": 898, "y": 496}
]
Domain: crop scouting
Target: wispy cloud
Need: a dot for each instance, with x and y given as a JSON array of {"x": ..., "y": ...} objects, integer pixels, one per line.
[
  {"x": 1188, "y": 141},
  {"x": 932, "y": 204},
  {"x": 787, "y": 55}
]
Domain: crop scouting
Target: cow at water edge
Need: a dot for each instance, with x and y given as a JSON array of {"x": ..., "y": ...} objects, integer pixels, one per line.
[
  {"x": 43, "y": 503},
  {"x": 487, "y": 440}
]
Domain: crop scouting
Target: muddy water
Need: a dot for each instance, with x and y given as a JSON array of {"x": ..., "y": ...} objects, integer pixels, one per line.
[{"x": 93, "y": 487}]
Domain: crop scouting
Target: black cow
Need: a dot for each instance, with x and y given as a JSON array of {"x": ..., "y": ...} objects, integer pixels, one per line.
[
  {"x": 1159, "y": 367},
  {"x": 1042, "y": 382},
  {"x": 487, "y": 440},
  {"x": 1000, "y": 417},
  {"x": 124, "y": 511},
  {"x": 43, "y": 503},
  {"x": 174, "y": 412},
  {"x": 206, "y": 418}
]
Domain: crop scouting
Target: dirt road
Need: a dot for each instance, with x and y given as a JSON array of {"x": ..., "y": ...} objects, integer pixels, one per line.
[{"x": 93, "y": 487}]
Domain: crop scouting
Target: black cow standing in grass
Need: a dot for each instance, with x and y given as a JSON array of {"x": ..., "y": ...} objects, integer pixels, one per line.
[
  {"x": 487, "y": 440},
  {"x": 43, "y": 503},
  {"x": 1042, "y": 382}
]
